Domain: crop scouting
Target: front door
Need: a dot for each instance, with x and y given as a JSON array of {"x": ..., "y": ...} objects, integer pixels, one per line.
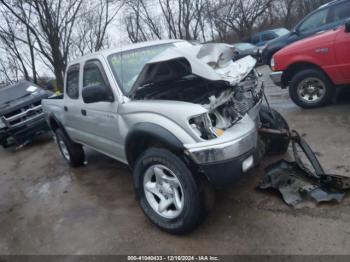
[
  {"x": 342, "y": 51},
  {"x": 99, "y": 121}
]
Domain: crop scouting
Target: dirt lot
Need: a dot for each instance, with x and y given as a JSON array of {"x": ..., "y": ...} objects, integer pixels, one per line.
[{"x": 48, "y": 208}]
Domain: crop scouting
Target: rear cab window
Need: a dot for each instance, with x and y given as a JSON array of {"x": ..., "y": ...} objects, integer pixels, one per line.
[{"x": 72, "y": 82}]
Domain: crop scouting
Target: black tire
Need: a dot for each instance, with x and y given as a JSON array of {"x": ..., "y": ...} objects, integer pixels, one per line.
[
  {"x": 4, "y": 143},
  {"x": 191, "y": 213},
  {"x": 271, "y": 118},
  {"x": 274, "y": 144},
  {"x": 75, "y": 151},
  {"x": 299, "y": 77}
]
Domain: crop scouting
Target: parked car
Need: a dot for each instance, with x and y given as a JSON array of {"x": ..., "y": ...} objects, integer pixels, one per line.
[
  {"x": 326, "y": 17},
  {"x": 21, "y": 116},
  {"x": 180, "y": 115},
  {"x": 261, "y": 38},
  {"x": 312, "y": 68},
  {"x": 245, "y": 49}
]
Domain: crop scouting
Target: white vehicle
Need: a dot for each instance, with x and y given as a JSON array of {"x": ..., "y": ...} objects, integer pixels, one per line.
[{"x": 177, "y": 113}]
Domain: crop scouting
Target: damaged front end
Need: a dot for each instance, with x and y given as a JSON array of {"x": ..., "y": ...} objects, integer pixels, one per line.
[{"x": 204, "y": 75}]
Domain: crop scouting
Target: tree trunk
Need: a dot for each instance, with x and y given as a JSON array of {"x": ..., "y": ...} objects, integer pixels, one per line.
[{"x": 59, "y": 78}]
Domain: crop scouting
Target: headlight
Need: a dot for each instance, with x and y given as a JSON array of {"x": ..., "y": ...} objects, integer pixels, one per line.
[
  {"x": 2, "y": 123},
  {"x": 208, "y": 156},
  {"x": 273, "y": 64},
  {"x": 202, "y": 126}
]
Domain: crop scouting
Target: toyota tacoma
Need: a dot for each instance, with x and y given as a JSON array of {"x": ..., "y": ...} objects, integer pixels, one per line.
[{"x": 179, "y": 114}]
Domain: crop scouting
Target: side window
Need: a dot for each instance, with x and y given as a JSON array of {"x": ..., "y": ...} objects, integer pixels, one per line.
[
  {"x": 340, "y": 12},
  {"x": 94, "y": 74},
  {"x": 255, "y": 39},
  {"x": 72, "y": 85},
  {"x": 268, "y": 36},
  {"x": 316, "y": 20}
]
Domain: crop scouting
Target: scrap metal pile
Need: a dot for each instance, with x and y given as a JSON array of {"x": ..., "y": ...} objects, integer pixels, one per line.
[{"x": 303, "y": 179}]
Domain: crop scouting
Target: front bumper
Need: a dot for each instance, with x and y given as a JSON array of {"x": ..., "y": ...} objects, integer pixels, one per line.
[
  {"x": 276, "y": 78},
  {"x": 23, "y": 134},
  {"x": 227, "y": 172},
  {"x": 228, "y": 157}
]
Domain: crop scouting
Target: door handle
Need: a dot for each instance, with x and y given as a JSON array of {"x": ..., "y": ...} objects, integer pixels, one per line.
[
  {"x": 65, "y": 108},
  {"x": 83, "y": 112}
]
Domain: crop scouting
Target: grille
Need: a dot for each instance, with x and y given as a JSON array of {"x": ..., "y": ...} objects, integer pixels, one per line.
[
  {"x": 24, "y": 115},
  {"x": 248, "y": 94}
]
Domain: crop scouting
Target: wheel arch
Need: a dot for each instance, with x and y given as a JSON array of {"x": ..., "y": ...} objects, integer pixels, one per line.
[
  {"x": 55, "y": 124},
  {"x": 145, "y": 135},
  {"x": 293, "y": 69}
]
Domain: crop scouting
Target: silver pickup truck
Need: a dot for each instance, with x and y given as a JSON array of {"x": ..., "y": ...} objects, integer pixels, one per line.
[{"x": 178, "y": 113}]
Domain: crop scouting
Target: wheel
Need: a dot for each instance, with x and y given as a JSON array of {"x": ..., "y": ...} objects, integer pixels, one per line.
[
  {"x": 274, "y": 144},
  {"x": 311, "y": 88},
  {"x": 167, "y": 191},
  {"x": 72, "y": 152},
  {"x": 4, "y": 143}
]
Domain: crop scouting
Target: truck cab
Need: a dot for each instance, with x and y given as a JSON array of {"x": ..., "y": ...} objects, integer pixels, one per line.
[{"x": 314, "y": 67}]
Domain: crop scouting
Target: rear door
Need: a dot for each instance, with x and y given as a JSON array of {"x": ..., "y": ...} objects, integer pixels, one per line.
[
  {"x": 71, "y": 102},
  {"x": 342, "y": 50}
]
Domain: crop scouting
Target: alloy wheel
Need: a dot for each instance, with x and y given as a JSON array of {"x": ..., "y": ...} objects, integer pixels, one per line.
[
  {"x": 163, "y": 191},
  {"x": 311, "y": 90}
]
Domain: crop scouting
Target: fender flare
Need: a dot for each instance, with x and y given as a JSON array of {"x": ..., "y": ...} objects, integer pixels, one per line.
[
  {"x": 52, "y": 117},
  {"x": 149, "y": 131}
]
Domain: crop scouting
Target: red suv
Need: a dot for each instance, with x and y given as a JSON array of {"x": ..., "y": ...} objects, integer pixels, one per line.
[{"x": 313, "y": 67}]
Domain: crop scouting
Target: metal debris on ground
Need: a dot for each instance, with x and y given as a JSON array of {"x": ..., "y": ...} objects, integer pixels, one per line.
[{"x": 301, "y": 181}]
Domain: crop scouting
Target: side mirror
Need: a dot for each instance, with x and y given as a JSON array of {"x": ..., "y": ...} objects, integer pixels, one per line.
[
  {"x": 97, "y": 93},
  {"x": 295, "y": 31},
  {"x": 347, "y": 26}
]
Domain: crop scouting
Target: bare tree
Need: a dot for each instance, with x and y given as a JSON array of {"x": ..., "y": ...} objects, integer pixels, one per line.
[
  {"x": 141, "y": 24},
  {"x": 241, "y": 16},
  {"x": 9, "y": 69},
  {"x": 51, "y": 25},
  {"x": 10, "y": 45},
  {"x": 93, "y": 23},
  {"x": 183, "y": 19}
]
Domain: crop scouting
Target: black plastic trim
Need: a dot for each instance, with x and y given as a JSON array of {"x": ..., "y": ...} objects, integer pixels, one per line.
[{"x": 149, "y": 131}]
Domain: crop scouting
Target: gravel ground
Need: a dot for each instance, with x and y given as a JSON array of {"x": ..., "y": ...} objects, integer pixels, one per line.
[{"x": 48, "y": 208}]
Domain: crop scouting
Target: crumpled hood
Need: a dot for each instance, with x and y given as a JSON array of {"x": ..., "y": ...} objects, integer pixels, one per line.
[{"x": 209, "y": 61}]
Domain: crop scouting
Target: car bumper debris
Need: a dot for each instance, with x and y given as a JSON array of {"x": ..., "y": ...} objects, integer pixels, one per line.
[{"x": 304, "y": 179}]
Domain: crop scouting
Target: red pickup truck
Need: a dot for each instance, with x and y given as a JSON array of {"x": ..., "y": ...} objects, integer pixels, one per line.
[{"x": 313, "y": 67}]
